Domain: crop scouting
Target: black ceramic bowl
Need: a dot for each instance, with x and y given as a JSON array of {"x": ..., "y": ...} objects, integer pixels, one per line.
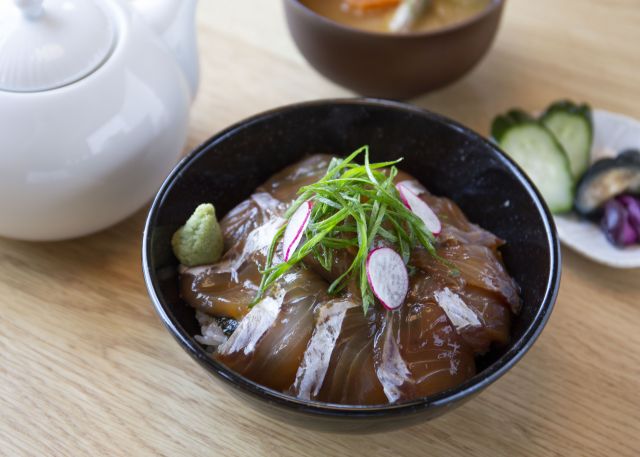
[{"x": 448, "y": 158}]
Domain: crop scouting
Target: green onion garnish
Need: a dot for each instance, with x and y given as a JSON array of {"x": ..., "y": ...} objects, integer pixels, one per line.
[{"x": 352, "y": 206}]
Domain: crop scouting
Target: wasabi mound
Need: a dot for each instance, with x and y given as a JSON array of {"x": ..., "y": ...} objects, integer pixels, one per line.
[{"x": 199, "y": 241}]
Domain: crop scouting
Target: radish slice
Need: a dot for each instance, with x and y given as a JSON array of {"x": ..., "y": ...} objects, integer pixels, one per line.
[
  {"x": 388, "y": 277},
  {"x": 419, "y": 208},
  {"x": 413, "y": 185},
  {"x": 295, "y": 228}
]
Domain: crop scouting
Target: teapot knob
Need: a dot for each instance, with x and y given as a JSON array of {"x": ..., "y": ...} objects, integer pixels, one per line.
[{"x": 31, "y": 9}]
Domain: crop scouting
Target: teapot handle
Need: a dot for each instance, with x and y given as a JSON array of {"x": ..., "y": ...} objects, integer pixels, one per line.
[{"x": 31, "y": 9}]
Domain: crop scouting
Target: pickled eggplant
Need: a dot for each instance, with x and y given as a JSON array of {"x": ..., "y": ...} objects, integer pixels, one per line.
[{"x": 606, "y": 179}]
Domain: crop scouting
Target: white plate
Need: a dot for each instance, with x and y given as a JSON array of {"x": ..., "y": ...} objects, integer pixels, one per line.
[{"x": 612, "y": 134}]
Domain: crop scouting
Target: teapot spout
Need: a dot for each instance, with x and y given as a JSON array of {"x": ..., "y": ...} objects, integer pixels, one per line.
[{"x": 174, "y": 21}]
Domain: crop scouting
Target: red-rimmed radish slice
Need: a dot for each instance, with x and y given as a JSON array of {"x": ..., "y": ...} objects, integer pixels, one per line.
[
  {"x": 295, "y": 228},
  {"x": 419, "y": 208},
  {"x": 388, "y": 277},
  {"x": 413, "y": 185}
]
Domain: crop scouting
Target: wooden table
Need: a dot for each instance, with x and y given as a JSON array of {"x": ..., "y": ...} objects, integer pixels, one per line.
[{"x": 87, "y": 368}]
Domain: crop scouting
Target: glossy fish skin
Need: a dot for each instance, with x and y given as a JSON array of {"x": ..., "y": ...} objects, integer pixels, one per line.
[
  {"x": 214, "y": 291},
  {"x": 351, "y": 378},
  {"x": 312, "y": 370},
  {"x": 435, "y": 356},
  {"x": 227, "y": 288},
  {"x": 481, "y": 279},
  {"x": 278, "y": 353},
  {"x": 247, "y": 216}
]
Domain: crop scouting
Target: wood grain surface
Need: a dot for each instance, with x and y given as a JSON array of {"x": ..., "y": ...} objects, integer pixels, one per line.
[{"x": 88, "y": 369}]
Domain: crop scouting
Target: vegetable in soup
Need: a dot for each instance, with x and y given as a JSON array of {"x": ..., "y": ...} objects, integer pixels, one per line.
[
  {"x": 352, "y": 284},
  {"x": 397, "y": 16}
]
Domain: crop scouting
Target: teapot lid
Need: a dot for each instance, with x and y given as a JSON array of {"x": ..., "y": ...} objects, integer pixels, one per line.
[{"x": 46, "y": 44}]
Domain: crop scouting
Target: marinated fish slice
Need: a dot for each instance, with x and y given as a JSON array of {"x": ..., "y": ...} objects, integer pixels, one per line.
[
  {"x": 495, "y": 319},
  {"x": 351, "y": 377},
  {"x": 417, "y": 350},
  {"x": 313, "y": 368},
  {"x": 479, "y": 284},
  {"x": 344, "y": 352},
  {"x": 285, "y": 184},
  {"x": 481, "y": 267},
  {"x": 247, "y": 216},
  {"x": 477, "y": 266},
  {"x": 276, "y": 352},
  {"x": 455, "y": 218},
  {"x": 391, "y": 368},
  {"x": 461, "y": 316},
  {"x": 436, "y": 356},
  {"x": 226, "y": 289},
  {"x": 212, "y": 289},
  {"x": 252, "y": 328},
  {"x": 362, "y": 383},
  {"x": 255, "y": 246}
]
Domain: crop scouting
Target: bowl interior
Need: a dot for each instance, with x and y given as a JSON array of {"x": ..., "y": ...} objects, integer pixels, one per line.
[{"x": 446, "y": 157}]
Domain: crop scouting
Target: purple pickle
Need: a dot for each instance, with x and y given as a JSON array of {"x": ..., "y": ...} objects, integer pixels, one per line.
[
  {"x": 616, "y": 226},
  {"x": 632, "y": 205}
]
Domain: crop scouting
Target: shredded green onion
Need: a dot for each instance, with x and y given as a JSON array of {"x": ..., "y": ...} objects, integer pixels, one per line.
[{"x": 350, "y": 205}]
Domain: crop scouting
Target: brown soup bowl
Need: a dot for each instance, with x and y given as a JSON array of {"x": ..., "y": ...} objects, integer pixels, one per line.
[{"x": 388, "y": 65}]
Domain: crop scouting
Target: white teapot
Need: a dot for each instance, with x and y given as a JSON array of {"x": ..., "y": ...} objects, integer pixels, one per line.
[{"x": 94, "y": 107}]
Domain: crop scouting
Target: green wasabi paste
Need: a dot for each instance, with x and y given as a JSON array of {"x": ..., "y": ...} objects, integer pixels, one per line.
[{"x": 199, "y": 240}]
